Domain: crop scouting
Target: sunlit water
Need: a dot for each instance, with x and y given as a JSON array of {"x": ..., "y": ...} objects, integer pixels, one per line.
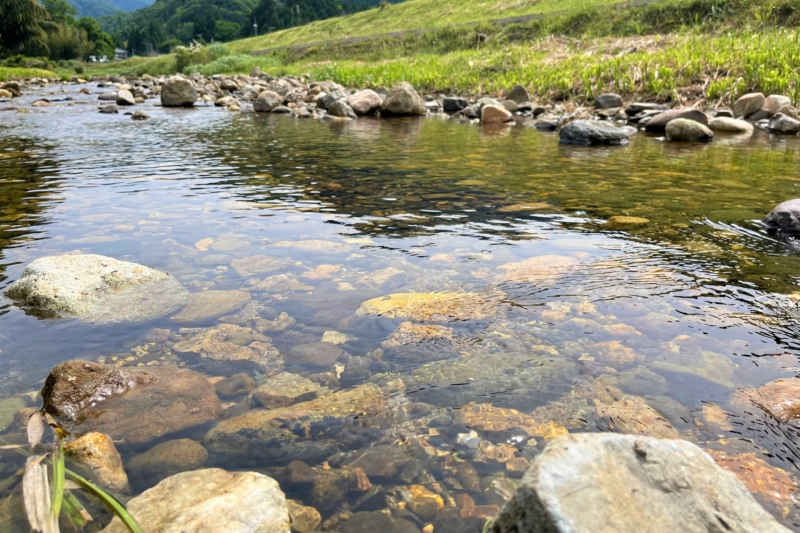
[{"x": 449, "y": 205}]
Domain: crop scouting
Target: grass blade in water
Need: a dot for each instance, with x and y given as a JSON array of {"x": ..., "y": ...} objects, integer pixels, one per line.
[
  {"x": 75, "y": 510},
  {"x": 59, "y": 477},
  {"x": 109, "y": 501},
  {"x": 36, "y": 494}
]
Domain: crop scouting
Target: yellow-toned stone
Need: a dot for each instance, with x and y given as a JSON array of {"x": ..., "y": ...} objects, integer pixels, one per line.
[
  {"x": 632, "y": 415},
  {"x": 542, "y": 268},
  {"x": 621, "y": 330},
  {"x": 771, "y": 485},
  {"x": 487, "y": 417},
  {"x": 97, "y": 453},
  {"x": 621, "y": 221},
  {"x": 321, "y": 272},
  {"x": 431, "y": 306},
  {"x": 443, "y": 258},
  {"x": 614, "y": 352},
  {"x": 424, "y": 503},
  {"x": 519, "y": 208},
  {"x": 716, "y": 417},
  {"x": 410, "y": 333}
]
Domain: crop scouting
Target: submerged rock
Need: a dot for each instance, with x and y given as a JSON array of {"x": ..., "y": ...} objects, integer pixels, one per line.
[
  {"x": 202, "y": 306},
  {"x": 271, "y": 436},
  {"x": 284, "y": 390},
  {"x": 165, "y": 460},
  {"x": 784, "y": 218},
  {"x": 129, "y": 404},
  {"x": 366, "y": 522},
  {"x": 210, "y": 500},
  {"x": 178, "y": 92},
  {"x": 431, "y": 306},
  {"x": 322, "y": 354},
  {"x": 540, "y": 268},
  {"x": 779, "y": 398},
  {"x": 96, "y": 453},
  {"x": 628, "y": 484},
  {"x": 591, "y": 132},
  {"x": 403, "y": 100},
  {"x": 259, "y": 264},
  {"x": 97, "y": 289},
  {"x": 233, "y": 344},
  {"x": 236, "y": 385},
  {"x": 632, "y": 415}
]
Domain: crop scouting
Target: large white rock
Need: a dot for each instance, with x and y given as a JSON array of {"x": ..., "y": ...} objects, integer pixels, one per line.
[
  {"x": 604, "y": 483},
  {"x": 211, "y": 500},
  {"x": 97, "y": 289}
]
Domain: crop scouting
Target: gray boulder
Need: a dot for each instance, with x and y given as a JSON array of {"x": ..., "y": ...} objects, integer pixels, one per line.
[
  {"x": 403, "y": 100},
  {"x": 591, "y": 132},
  {"x": 784, "y": 218},
  {"x": 211, "y": 499},
  {"x": 108, "y": 108},
  {"x": 364, "y": 102},
  {"x": 637, "y": 107},
  {"x": 340, "y": 109},
  {"x": 125, "y": 98},
  {"x": 658, "y": 124},
  {"x": 747, "y": 104},
  {"x": 267, "y": 101},
  {"x": 178, "y": 92},
  {"x": 685, "y": 130},
  {"x": 110, "y": 96},
  {"x": 518, "y": 94},
  {"x": 781, "y": 123},
  {"x": 592, "y": 482},
  {"x": 608, "y": 101},
  {"x": 329, "y": 99},
  {"x": 97, "y": 289}
]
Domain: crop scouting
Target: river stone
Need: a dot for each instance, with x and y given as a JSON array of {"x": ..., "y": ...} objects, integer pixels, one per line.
[
  {"x": 451, "y": 104},
  {"x": 608, "y": 101},
  {"x": 231, "y": 343},
  {"x": 779, "y": 398},
  {"x": 492, "y": 114},
  {"x": 747, "y": 104},
  {"x": 781, "y": 123},
  {"x": 631, "y": 414},
  {"x": 539, "y": 269},
  {"x": 269, "y": 436},
  {"x": 210, "y": 500},
  {"x": 622, "y": 221},
  {"x": 165, "y": 460},
  {"x": 591, "y": 132},
  {"x": 140, "y": 115},
  {"x": 431, "y": 306},
  {"x": 518, "y": 94},
  {"x": 108, "y": 96},
  {"x": 340, "y": 109},
  {"x": 236, "y": 385},
  {"x": 658, "y": 124},
  {"x": 364, "y": 102},
  {"x": 305, "y": 519},
  {"x": 202, "y": 306},
  {"x": 125, "y": 97},
  {"x": 259, "y": 264},
  {"x": 322, "y": 354},
  {"x": 730, "y": 125},
  {"x": 108, "y": 109},
  {"x": 685, "y": 130},
  {"x": 178, "y": 92},
  {"x": 284, "y": 390},
  {"x": 97, "y": 289},
  {"x": 369, "y": 522},
  {"x": 326, "y": 101},
  {"x": 267, "y": 101},
  {"x": 129, "y": 404},
  {"x": 403, "y": 100},
  {"x": 9, "y": 406},
  {"x": 774, "y": 102},
  {"x": 96, "y": 453},
  {"x": 785, "y": 217},
  {"x": 592, "y": 482}
]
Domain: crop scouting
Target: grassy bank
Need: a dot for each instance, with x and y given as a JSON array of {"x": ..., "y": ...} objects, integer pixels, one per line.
[
  {"x": 670, "y": 50},
  {"x": 10, "y": 73}
]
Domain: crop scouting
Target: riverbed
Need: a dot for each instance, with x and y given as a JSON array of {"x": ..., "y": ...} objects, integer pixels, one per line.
[{"x": 559, "y": 311}]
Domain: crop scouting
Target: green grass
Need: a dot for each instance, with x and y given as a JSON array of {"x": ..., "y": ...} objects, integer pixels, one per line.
[
  {"x": 10, "y": 73},
  {"x": 410, "y": 15}
]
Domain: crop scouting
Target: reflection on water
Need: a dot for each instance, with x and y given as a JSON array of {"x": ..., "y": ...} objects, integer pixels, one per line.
[{"x": 465, "y": 271}]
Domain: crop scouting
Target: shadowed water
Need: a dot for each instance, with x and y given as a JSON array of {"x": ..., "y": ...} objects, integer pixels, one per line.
[{"x": 682, "y": 311}]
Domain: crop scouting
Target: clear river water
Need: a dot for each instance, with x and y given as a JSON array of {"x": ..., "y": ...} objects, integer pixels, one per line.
[{"x": 558, "y": 311}]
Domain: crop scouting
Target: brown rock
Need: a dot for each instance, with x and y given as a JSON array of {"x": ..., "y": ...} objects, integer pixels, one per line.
[
  {"x": 229, "y": 342},
  {"x": 165, "y": 460},
  {"x": 539, "y": 269},
  {"x": 492, "y": 114},
  {"x": 747, "y": 104},
  {"x": 235, "y": 385},
  {"x": 129, "y": 404},
  {"x": 779, "y": 398},
  {"x": 631, "y": 414},
  {"x": 304, "y": 519},
  {"x": 316, "y": 353},
  {"x": 285, "y": 389},
  {"x": 205, "y": 305},
  {"x": 259, "y": 264},
  {"x": 97, "y": 453},
  {"x": 424, "y": 503}
]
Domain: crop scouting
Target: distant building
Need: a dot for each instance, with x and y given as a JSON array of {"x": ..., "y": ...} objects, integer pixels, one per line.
[{"x": 119, "y": 53}]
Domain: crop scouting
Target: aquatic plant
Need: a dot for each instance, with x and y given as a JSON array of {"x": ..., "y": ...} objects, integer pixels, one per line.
[{"x": 49, "y": 491}]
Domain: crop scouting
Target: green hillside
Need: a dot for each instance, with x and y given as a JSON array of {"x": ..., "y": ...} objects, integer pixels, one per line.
[{"x": 411, "y": 15}]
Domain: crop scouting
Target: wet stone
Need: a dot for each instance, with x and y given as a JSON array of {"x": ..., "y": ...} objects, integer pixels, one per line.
[
  {"x": 366, "y": 522},
  {"x": 8, "y": 407},
  {"x": 631, "y": 414},
  {"x": 332, "y": 487},
  {"x": 259, "y": 264},
  {"x": 164, "y": 460},
  {"x": 284, "y": 390},
  {"x": 235, "y": 385},
  {"x": 779, "y": 398},
  {"x": 232, "y": 344},
  {"x": 542, "y": 268},
  {"x": 96, "y": 454},
  {"x": 304, "y": 519},
  {"x": 322, "y": 354},
  {"x": 132, "y": 405},
  {"x": 432, "y": 306},
  {"x": 202, "y": 306}
]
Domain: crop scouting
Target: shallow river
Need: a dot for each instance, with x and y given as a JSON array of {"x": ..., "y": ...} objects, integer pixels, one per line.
[{"x": 679, "y": 313}]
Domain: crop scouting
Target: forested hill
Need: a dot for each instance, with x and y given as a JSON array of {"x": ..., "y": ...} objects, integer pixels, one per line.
[
  {"x": 167, "y": 23},
  {"x": 99, "y": 8}
]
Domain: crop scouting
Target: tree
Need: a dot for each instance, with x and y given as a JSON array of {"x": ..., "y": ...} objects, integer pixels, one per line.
[
  {"x": 101, "y": 43},
  {"x": 60, "y": 11},
  {"x": 23, "y": 24}
]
